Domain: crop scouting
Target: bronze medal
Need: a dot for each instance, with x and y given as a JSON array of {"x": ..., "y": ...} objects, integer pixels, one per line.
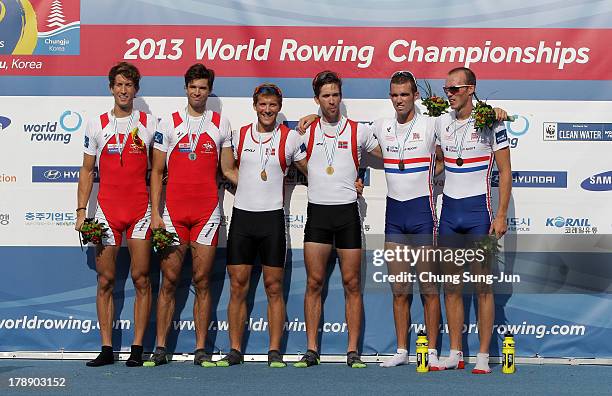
[
  {"x": 459, "y": 161},
  {"x": 264, "y": 175}
]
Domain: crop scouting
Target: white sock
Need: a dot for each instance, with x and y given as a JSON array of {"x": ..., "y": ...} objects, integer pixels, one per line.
[
  {"x": 401, "y": 357},
  {"x": 454, "y": 357},
  {"x": 482, "y": 362},
  {"x": 432, "y": 358}
]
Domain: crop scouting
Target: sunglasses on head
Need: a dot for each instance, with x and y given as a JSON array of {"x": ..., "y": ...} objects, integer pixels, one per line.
[
  {"x": 403, "y": 73},
  {"x": 268, "y": 89},
  {"x": 455, "y": 88}
]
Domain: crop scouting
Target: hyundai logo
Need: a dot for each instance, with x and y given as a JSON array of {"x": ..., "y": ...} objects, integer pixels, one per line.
[{"x": 52, "y": 174}]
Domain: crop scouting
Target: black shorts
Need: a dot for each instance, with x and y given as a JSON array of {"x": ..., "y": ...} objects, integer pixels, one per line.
[
  {"x": 334, "y": 224},
  {"x": 257, "y": 233}
]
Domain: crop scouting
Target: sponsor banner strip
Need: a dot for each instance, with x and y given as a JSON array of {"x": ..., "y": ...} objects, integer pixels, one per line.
[{"x": 373, "y": 52}]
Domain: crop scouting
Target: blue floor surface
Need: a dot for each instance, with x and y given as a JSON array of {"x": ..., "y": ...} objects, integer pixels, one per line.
[{"x": 183, "y": 378}]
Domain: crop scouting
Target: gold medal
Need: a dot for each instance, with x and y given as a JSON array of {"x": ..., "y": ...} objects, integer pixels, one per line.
[
  {"x": 264, "y": 175},
  {"x": 329, "y": 170}
]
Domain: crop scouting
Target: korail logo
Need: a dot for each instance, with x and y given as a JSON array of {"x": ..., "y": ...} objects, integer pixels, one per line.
[
  {"x": 598, "y": 182},
  {"x": 55, "y": 131},
  {"x": 561, "y": 222}
]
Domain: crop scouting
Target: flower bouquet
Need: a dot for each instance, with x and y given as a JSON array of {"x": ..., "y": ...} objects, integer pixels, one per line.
[
  {"x": 93, "y": 231},
  {"x": 435, "y": 105},
  {"x": 162, "y": 239},
  {"x": 483, "y": 115}
]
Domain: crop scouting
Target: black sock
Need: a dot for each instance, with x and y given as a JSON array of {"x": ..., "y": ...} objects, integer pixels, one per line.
[
  {"x": 105, "y": 357},
  {"x": 135, "y": 358}
]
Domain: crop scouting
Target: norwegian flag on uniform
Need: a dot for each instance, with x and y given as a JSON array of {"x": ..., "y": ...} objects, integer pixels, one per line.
[{"x": 343, "y": 145}]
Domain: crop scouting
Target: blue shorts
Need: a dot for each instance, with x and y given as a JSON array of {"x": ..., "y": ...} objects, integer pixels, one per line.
[
  {"x": 464, "y": 216},
  {"x": 410, "y": 222}
]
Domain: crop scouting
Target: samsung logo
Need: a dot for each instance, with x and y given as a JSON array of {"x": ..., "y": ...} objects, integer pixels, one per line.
[{"x": 598, "y": 182}]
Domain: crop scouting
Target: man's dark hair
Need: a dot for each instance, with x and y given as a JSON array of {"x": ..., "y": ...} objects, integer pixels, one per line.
[
  {"x": 323, "y": 78},
  {"x": 470, "y": 77},
  {"x": 127, "y": 70},
  {"x": 403, "y": 77},
  {"x": 199, "y": 71}
]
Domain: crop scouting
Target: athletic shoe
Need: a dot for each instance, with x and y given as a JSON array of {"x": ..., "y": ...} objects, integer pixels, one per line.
[
  {"x": 135, "y": 359},
  {"x": 201, "y": 358},
  {"x": 275, "y": 360},
  {"x": 105, "y": 357},
  {"x": 353, "y": 361},
  {"x": 233, "y": 358},
  {"x": 434, "y": 363},
  {"x": 158, "y": 358},
  {"x": 310, "y": 358}
]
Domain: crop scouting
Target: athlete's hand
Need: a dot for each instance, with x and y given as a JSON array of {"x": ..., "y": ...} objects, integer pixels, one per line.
[
  {"x": 80, "y": 220},
  {"x": 500, "y": 114},
  {"x": 498, "y": 226},
  {"x": 157, "y": 222},
  {"x": 305, "y": 122},
  {"x": 359, "y": 186}
]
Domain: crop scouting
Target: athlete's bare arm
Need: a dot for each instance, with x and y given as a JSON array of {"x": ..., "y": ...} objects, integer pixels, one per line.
[
  {"x": 302, "y": 166},
  {"x": 228, "y": 165},
  {"x": 305, "y": 122},
  {"x": 377, "y": 152},
  {"x": 157, "y": 173},
  {"x": 86, "y": 180},
  {"x": 439, "y": 160},
  {"x": 502, "y": 159}
]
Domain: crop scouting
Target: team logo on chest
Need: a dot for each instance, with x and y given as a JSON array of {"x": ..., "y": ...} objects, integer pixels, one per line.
[{"x": 208, "y": 147}]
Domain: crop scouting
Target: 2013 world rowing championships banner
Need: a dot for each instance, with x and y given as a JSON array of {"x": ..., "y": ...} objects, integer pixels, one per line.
[{"x": 545, "y": 62}]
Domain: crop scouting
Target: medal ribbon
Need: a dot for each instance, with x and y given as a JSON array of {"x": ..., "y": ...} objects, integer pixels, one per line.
[
  {"x": 457, "y": 129},
  {"x": 121, "y": 144},
  {"x": 263, "y": 162},
  {"x": 400, "y": 152},
  {"x": 330, "y": 156},
  {"x": 193, "y": 143}
]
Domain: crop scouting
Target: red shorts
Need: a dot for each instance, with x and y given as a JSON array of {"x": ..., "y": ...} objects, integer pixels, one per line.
[
  {"x": 121, "y": 218},
  {"x": 194, "y": 221}
]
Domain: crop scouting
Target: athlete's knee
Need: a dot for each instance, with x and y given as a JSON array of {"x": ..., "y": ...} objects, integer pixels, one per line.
[
  {"x": 201, "y": 283},
  {"x": 352, "y": 285},
  {"x": 106, "y": 283},
  {"x": 239, "y": 287},
  {"x": 314, "y": 284},
  {"x": 141, "y": 281},
  {"x": 274, "y": 288}
]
